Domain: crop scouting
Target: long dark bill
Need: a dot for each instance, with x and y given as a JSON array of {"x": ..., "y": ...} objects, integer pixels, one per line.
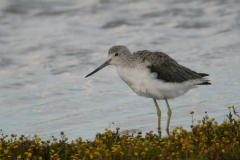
[{"x": 99, "y": 68}]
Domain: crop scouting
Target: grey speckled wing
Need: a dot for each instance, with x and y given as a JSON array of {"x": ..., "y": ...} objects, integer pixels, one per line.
[{"x": 168, "y": 69}]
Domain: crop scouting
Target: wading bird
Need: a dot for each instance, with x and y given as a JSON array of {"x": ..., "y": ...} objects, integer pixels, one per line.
[{"x": 153, "y": 75}]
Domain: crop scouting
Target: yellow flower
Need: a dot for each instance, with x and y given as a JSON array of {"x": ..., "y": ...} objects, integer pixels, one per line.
[
  {"x": 91, "y": 156},
  {"x": 40, "y": 158},
  {"x": 6, "y": 151},
  {"x": 223, "y": 150},
  {"x": 160, "y": 155},
  {"x": 146, "y": 149},
  {"x": 173, "y": 154},
  {"x": 199, "y": 121},
  {"x": 87, "y": 151},
  {"x": 229, "y": 107},
  {"x": 52, "y": 150},
  {"x": 174, "y": 129},
  {"x": 66, "y": 138},
  {"x": 232, "y": 106},
  {"x": 106, "y": 129},
  {"x": 19, "y": 157},
  {"x": 200, "y": 133},
  {"x": 205, "y": 151},
  {"x": 38, "y": 139},
  {"x": 181, "y": 140},
  {"x": 191, "y": 112},
  {"x": 35, "y": 135},
  {"x": 143, "y": 153},
  {"x": 206, "y": 117},
  {"x": 134, "y": 131},
  {"x": 127, "y": 131},
  {"x": 136, "y": 154},
  {"x": 191, "y": 151},
  {"x": 124, "y": 132},
  {"x": 205, "y": 125},
  {"x": 235, "y": 121},
  {"x": 29, "y": 154}
]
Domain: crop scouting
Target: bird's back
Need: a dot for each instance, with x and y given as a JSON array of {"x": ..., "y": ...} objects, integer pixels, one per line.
[{"x": 168, "y": 69}]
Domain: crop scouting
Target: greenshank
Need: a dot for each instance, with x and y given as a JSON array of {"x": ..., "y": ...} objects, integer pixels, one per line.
[{"x": 153, "y": 75}]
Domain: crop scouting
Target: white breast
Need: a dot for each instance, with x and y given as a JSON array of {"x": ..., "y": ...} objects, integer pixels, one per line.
[{"x": 144, "y": 83}]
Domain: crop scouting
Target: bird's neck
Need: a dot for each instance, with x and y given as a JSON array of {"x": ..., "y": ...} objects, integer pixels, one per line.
[{"x": 129, "y": 61}]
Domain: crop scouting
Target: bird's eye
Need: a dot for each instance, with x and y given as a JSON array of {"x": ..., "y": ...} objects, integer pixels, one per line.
[{"x": 116, "y": 54}]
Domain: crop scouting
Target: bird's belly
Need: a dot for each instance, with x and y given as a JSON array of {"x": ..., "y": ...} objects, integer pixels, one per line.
[{"x": 146, "y": 84}]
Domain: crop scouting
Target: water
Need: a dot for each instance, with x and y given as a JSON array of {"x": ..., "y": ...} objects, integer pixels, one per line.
[{"x": 48, "y": 47}]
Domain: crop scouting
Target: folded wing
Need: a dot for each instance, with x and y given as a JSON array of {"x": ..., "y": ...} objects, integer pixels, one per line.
[{"x": 169, "y": 70}]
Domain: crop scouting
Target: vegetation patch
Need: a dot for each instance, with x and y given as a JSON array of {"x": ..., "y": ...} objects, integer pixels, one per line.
[{"x": 206, "y": 140}]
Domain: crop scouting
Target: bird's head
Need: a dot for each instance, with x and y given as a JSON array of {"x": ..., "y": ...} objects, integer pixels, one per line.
[{"x": 116, "y": 56}]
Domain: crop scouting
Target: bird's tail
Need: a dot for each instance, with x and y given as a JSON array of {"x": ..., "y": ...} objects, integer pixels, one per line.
[
  {"x": 203, "y": 74},
  {"x": 205, "y": 83}
]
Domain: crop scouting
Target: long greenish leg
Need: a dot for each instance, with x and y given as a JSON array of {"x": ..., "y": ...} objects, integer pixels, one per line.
[
  {"x": 158, "y": 113},
  {"x": 169, "y": 115}
]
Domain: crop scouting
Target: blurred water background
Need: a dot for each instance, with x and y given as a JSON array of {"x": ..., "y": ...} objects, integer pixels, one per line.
[{"x": 47, "y": 47}]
